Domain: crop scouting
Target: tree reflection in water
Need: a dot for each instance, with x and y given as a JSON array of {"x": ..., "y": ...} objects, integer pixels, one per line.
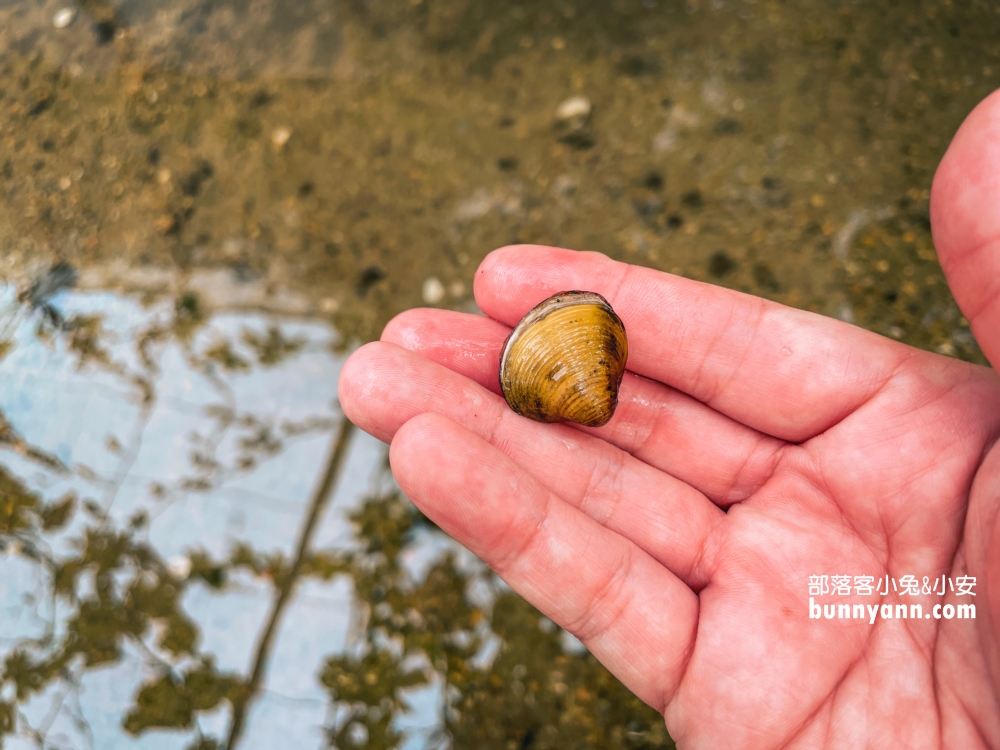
[{"x": 194, "y": 557}]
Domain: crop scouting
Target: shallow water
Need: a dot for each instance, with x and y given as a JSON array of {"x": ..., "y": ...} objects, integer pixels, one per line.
[
  {"x": 192, "y": 458},
  {"x": 242, "y": 191},
  {"x": 197, "y": 549}
]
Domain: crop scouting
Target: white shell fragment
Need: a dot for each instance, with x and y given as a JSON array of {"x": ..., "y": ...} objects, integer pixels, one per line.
[
  {"x": 280, "y": 136},
  {"x": 64, "y": 18},
  {"x": 433, "y": 290},
  {"x": 574, "y": 108}
]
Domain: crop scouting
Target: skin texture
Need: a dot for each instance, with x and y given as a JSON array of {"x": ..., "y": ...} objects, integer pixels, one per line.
[{"x": 754, "y": 445}]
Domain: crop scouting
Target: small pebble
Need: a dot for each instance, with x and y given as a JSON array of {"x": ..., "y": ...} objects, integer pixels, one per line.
[
  {"x": 64, "y": 18},
  {"x": 165, "y": 224},
  {"x": 572, "y": 120},
  {"x": 574, "y": 108},
  {"x": 720, "y": 264},
  {"x": 433, "y": 290},
  {"x": 280, "y": 136},
  {"x": 666, "y": 139},
  {"x": 179, "y": 566},
  {"x": 457, "y": 289},
  {"x": 564, "y": 185},
  {"x": 65, "y": 183}
]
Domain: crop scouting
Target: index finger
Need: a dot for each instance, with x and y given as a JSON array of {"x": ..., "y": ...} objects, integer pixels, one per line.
[{"x": 785, "y": 372}]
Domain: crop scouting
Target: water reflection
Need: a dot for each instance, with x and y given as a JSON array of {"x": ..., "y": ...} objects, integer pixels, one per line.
[
  {"x": 193, "y": 556},
  {"x": 163, "y": 464}
]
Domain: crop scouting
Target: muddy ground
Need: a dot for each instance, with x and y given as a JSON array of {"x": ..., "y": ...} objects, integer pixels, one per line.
[{"x": 342, "y": 154}]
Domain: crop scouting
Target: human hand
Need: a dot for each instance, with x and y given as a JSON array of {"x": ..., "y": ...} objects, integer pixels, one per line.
[{"x": 754, "y": 445}]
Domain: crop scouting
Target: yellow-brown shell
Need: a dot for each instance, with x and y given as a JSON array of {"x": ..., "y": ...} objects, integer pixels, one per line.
[{"x": 565, "y": 360}]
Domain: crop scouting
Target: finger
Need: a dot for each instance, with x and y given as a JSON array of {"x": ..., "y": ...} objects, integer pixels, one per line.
[
  {"x": 635, "y": 616},
  {"x": 384, "y": 386},
  {"x": 659, "y": 425},
  {"x": 966, "y": 223},
  {"x": 785, "y": 372}
]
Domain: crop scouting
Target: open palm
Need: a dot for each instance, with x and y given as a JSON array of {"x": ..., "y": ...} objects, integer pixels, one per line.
[{"x": 754, "y": 446}]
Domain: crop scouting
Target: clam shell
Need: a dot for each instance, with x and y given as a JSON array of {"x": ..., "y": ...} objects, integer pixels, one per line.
[{"x": 565, "y": 360}]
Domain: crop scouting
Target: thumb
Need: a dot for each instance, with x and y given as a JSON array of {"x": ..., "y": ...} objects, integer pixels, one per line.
[{"x": 965, "y": 220}]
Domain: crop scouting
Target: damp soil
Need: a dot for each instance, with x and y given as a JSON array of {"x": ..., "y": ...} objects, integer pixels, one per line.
[{"x": 348, "y": 152}]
